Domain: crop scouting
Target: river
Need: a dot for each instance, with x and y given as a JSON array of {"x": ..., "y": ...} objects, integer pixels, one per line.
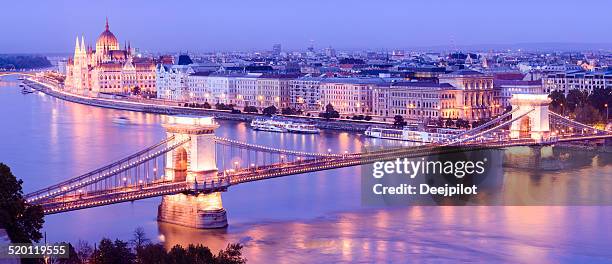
[{"x": 316, "y": 217}]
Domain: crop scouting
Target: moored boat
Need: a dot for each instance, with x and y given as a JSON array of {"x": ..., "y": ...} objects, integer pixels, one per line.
[
  {"x": 301, "y": 128},
  {"x": 412, "y": 133},
  {"x": 283, "y": 126},
  {"x": 268, "y": 125}
]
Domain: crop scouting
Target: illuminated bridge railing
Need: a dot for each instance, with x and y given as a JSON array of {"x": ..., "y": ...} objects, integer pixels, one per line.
[
  {"x": 107, "y": 176},
  {"x": 130, "y": 193}
]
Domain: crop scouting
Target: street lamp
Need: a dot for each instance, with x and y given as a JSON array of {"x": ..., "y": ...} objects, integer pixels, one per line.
[{"x": 607, "y": 112}]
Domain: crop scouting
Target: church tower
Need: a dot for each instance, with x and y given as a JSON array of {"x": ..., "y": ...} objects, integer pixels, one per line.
[
  {"x": 79, "y": 69},
  {"x": 77, "y": 81}
]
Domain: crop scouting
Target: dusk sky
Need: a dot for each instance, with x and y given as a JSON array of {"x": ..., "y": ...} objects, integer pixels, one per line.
[{"x": 51, "y": 26}]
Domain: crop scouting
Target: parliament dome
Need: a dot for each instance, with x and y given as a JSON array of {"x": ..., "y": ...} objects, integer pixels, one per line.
[{"x": 107, "y": 40}]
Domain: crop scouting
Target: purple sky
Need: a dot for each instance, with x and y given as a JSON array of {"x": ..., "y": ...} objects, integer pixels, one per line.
[{"x": 51, "y": 26}]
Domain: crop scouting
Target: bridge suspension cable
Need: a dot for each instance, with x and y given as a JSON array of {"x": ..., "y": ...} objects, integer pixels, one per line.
[
  {"x": 255, "y": 147},
  {"x": 104, "y": 172},
  {"x": 575, "y": 124},
  {"x": 481, "y": 133},
  {"x": 487, "y": 124}
]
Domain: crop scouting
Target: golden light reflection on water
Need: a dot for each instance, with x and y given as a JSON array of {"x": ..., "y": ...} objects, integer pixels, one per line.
[{"x": 537, "y": 227}]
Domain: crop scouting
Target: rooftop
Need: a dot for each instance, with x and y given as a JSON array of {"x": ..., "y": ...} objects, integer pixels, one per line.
[
  {"x": 464, "y": 72},
  {"x": 422, "y": 84}
]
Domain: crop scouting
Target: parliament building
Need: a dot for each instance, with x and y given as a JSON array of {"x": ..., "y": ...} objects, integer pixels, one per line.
[{"x": 108, "y": 68}]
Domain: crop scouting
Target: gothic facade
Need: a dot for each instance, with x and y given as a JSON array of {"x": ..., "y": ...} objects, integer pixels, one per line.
[{"x": 108, "y": 68}]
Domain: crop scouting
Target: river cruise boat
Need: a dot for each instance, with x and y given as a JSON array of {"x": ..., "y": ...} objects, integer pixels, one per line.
[
  {"x": 301, "y": 128},
  {"x": 283, "y": 126},
  {"x": 412, "y": 133}
]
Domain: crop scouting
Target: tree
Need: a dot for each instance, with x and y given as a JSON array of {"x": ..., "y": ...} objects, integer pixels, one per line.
[
  {"x": 178, "y": 255},
  {"x": 153, "y": 254},
  {"x": 588, "y": 114},
  {"x": 206, "y": 105},
  {"x": 367, "y": 118},
  {"x": 73, "y": 257},
  {"x": 290, "y": 111},
  {"x": 231, "y": 255},
  {"x": 330, "y": 112},
  {"x": 557, "y": 98},
  {"x": 139, "y": 238},
  {"x": 250, "y": 109},
  {"x": 449, "y": 123},
  {"x": 21, "y": 220},
  {"x": 270, "y": 110},
  {"x": 329, "y": 108},
  {"x": 136, "y": 90},
  {"x": 200, "y": 254},
  {"x": 600, "y": 97},
  {"x": 83, "y": 250},
  {"x": 576, "y": 98},
  {"x": 399, "y": 121},
  {"x": 222, "y": 106},
  {"x": 112, "y": 253},
  {"x": 439, "y": 122},
  {"x": 460, "y": 123},
  {"x": 148, "y": 253}
]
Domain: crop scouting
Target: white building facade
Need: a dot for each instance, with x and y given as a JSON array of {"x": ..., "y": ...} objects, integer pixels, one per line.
[{"x": 576, "y": 80}]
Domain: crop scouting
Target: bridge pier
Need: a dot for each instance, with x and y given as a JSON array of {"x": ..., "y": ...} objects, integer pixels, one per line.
[
  {"x": 194, "y": 162},
  {"x": 201, "y": 211}
]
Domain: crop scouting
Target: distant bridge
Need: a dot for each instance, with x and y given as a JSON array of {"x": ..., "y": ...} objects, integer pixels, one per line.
[{"x": 28, "y": 74}]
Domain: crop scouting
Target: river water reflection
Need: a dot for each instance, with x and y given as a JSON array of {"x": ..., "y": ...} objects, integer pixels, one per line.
[{"x": 314, "y": 217}]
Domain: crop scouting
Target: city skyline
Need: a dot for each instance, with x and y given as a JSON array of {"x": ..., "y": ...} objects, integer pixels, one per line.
[
  {"x": 211, "y": 27},
  {"x": 306, "y": 131}
]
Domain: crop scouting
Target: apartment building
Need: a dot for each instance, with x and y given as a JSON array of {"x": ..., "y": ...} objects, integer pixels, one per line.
[
  {"x": 579, "y": 80},
  {"x": 417, "y": 100},
  {"x": 348, "y": 96},
  {"x": 305, "y": 93}
]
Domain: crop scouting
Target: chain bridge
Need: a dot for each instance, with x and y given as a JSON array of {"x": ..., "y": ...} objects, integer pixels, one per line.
[{"x": 191, "y": 167}]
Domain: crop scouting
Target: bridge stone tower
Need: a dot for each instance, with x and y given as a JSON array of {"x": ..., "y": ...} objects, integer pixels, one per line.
[
  {"x": 535, "y": 124},
  {"x": 193, "y": 162}
]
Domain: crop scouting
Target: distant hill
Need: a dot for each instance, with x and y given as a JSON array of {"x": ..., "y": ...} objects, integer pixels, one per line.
[{"x": 21, "y": 62}]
